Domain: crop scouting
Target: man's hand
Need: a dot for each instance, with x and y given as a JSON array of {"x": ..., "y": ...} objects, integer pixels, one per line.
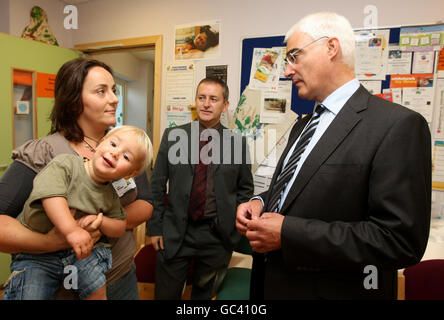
[
  {"x": 247, "y": 211},
  {"x": 157, "y": 242},
  {"x": 265, "y": 233}
]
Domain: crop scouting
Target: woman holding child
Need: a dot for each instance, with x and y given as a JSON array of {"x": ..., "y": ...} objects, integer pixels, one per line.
[{"x": 84, "y": 109}]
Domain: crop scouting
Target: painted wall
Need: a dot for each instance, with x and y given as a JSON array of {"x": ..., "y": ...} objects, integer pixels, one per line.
[
  {"x": 28, "y": 55},
  {"x": 246, "y": 18},
  {"x": 4, "y": 16},
  {"x": 19, "y": 18},
  {"x": 137, "y": 98}
]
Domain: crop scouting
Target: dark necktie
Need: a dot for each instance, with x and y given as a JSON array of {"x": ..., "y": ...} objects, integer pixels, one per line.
[
  {"x": 198, "y": 197},
  {"x": 289, "y": 169}
]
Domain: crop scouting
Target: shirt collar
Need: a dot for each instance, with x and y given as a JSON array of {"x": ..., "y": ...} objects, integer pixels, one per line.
[
  {"x": 202, "y": 128},
  {"x": 337, "y": 99}
]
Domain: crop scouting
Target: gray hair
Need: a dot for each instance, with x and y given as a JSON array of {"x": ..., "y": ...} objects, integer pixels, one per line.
[{"x": 329, "y": 24}]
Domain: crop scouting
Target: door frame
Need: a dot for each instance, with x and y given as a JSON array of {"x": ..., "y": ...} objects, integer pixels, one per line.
[{"x": 153, "y": 42}]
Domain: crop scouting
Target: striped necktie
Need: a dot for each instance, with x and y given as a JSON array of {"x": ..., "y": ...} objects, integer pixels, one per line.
[{"x": 288, "y": 171}]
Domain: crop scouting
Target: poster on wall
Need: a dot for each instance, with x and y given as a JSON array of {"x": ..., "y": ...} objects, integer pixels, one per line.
[
  {"x": 422, "y": 38},
  {"x": 45, "y": 85},
  {"x": 266, "y": 67},
  {"x": 197, "y": 41},
  {"x": 179, "y": 91},
  {"x": 371, "y": 54},
  {"x": 219, "y": 72},
  {"x": 423, "y": 62},
  {"x": 440, "y": 67},
  {"x": 399, "y": 62}
]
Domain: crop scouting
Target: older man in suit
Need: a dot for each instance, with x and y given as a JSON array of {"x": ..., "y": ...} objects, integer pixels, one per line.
[
  {"x": 209, "y": 175},
  {"x": 349, "y": 202}
]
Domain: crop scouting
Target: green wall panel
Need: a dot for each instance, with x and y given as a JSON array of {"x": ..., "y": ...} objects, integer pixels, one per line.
[{"x": 33, "y": 56}]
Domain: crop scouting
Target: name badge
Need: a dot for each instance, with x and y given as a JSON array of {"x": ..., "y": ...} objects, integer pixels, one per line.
[{"x": 122, "y": 186}]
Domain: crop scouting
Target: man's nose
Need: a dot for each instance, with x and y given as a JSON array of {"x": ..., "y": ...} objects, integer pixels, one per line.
[
  {"x": 207, "y": 102},
  {"x": 288, "y": 70}
]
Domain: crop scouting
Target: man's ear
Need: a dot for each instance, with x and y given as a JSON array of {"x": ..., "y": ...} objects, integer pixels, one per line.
[
  {"x": 227, "y": 104},
  {"x": 333, "y": 47}
]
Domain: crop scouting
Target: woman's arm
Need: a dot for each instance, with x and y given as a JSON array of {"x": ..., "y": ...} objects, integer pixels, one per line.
[
  {"x": 15, "y": 238},
  {"x": 140, "y": 210},
  {"x": 113, "y": 228},
  {"x": 15, "y": 187}
]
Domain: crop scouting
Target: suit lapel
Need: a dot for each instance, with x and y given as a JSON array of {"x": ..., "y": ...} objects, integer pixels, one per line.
[
  {"x": 338, "y": 130},
  {"x": 191, "y": 149}
]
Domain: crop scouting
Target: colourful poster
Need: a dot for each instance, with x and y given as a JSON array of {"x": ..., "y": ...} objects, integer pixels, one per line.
[
  {"x": 411, "y": 80},
  {"x": 425, "y": 38},
  {"x": 45, "y": 85}
]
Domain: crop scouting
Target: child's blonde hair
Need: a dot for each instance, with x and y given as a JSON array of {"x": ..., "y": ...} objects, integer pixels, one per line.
[{"x": 142, "y": 139}]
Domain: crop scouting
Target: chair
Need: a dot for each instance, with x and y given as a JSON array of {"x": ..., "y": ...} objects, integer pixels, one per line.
[
  {"x": 425, "y": 280},
  {"x": 145, "y": 260},
  {"x": 236, "y": 284}
]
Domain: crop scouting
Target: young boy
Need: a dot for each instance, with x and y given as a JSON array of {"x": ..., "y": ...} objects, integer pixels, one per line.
[{"x": 69, "y": 182}]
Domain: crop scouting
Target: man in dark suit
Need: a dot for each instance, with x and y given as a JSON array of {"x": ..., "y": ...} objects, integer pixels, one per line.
[
  {"x": 349, "y": 202},
  {"x": 198, "y": 222}
]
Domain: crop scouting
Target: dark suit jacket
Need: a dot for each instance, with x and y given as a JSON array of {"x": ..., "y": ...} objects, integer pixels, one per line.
[
  {"x": 362, "y": 197},
  {"x": 233, "y": 184}
]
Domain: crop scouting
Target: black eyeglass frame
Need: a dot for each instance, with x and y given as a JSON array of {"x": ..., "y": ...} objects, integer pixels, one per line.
[{"x": 293, "y": 54}]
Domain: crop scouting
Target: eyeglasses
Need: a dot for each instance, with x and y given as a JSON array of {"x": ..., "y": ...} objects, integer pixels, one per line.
[{"x": 293, "y": 54}]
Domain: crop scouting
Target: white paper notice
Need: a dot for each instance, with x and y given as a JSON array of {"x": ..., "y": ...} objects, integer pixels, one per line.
[
  {"x": 175, "y": 118},
  {"x": 439, "y": 102},
  {"x": 420, "y": 100},
  {"x": 423, "y": 62},
  {"x": 399, "y": 62},
  {"x": 371, "y": 54},
  {"x": 374, "y": 87},
  {"x": 276, "y": 105},
  {"x": 396, "y": 94},
  {"x": 438, "y": 162},
  {"x": 179, "y": 87}
]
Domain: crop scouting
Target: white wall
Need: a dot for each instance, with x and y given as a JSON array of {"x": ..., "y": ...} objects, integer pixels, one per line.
[
  {"x": 20, "y": 17},
  {"x": 101, "y": 20},
  {"x": 137, "y": 98},
  {"x": 127, "y": 65}
]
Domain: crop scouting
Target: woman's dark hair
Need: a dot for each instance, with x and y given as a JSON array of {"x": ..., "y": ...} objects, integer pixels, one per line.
[
  {"x": 68, "y": 104},
  {"x": 212, "y": 37}
]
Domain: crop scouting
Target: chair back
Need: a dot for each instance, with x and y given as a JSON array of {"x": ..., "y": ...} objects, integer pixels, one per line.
[{"x": 425, "y": 280}]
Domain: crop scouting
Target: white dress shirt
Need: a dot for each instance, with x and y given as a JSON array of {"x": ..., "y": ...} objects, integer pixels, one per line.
[{"x": 333, "y": 104}]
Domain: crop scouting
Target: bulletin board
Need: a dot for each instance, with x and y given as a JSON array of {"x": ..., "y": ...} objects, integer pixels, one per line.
[
  {"x": 397, "y": 36},
  {"x": 298, "y": 105}
]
